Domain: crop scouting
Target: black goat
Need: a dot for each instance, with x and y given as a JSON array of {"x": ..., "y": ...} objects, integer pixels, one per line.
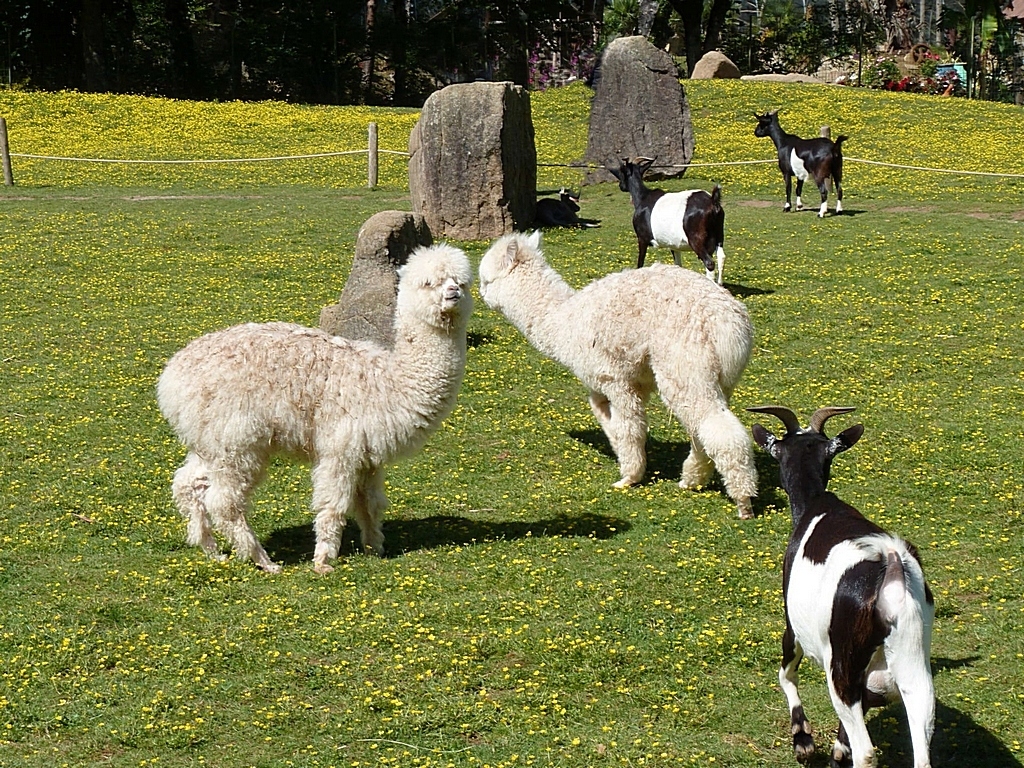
[
  {"x": 855, "y": 596},
  {"x": 692, "y": 218},
  {"x": 561, "y": 212},
  {"x": 818, "y": 159}
]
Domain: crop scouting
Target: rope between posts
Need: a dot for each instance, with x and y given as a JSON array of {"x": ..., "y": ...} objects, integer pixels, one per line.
[
  {"x": 936, "y": 170},
  {"x": 848, "y": 159},
  {"x": 544, "y": 165},
  {"x": 207, "y": 161}
]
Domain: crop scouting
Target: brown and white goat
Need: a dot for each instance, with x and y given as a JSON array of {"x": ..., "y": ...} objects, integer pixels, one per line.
[
  {"x": 818, "y": 159},
  {"x": 855, "y": 596},
  {"x": 692, "y": 218}
]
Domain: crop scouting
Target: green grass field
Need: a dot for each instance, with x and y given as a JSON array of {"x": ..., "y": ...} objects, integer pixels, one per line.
[{"x": 528, "y": 614}]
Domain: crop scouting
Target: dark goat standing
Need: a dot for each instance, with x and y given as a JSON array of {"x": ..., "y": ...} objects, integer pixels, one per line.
[
  {"x": 692, "y": 218},
  {"x": 817, "y": 159},
  {"x": 855, "y": 596}
]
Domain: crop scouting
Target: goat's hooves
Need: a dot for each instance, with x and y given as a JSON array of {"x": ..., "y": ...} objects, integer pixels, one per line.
[
  {"x": 322, "y": 568},
  {"x": 803, "y": 746},
  {"x": 841, "y": 756}
]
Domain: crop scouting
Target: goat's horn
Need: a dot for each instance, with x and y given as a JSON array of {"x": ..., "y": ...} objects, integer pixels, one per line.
[
  {"x": 820, "y": 416},
  {"x": 782, "y": 413}
]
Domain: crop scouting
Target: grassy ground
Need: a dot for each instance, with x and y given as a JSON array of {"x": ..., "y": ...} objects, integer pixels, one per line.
[{"x": 527, "y": 614}]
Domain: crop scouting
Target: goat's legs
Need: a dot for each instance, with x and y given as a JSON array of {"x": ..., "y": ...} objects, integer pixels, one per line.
[
  {"x": 789, "y": 191},
  {"x": 837, "y": 177},
  {"x": 823, "y": 189},
  {"x": 370, "y": 503},
  {"x": 677, "y": 256},
  {"x": 913, "y": 678},
  {"x": 799, "y": 194},
  {"x": 334, "y": 490},
  {"x": 853, "y": 727},
  {"x": 792, "y": 655},
  {"x": 641, "y": 250}
]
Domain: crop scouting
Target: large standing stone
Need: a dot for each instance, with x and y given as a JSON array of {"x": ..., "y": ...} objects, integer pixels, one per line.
[
  {"x": 714, "y": 64},
  {"x": 366, "y": 309},
  {"x": 473, "y": 162},
  {"x": 639, "y": 109}
]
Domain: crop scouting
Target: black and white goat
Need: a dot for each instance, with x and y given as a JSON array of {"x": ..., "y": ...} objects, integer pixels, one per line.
[
  {"x": 818, "y": 159},
  {"x": 855, "y": 596},
  {"x": 561, "y": 212},
  {"x": 692, "y": 218}
]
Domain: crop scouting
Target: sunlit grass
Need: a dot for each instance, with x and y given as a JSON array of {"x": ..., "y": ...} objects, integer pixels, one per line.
[{"x": 528, "y": 614}]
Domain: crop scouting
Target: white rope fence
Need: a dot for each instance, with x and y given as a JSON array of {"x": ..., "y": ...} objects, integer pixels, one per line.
[
  {"x": 203, "y": 160},
  {"x": 372, "y": 152}
]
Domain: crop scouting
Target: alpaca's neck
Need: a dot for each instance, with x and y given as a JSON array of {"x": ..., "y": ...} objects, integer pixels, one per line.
[
  {"x": 433, "y": 361},
  {"x": 541, "y": 312}
]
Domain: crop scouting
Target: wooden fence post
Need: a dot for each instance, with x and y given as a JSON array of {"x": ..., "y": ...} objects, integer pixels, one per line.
[
  {"x": 372, "y": 158},
  {"x": 826, "y": 132},
  {"x": 5, "y": 152}
]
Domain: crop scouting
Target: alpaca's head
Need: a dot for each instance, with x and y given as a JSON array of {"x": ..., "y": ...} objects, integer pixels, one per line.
[
  {"x": 518, "y": 251},
  {"x": 433, "y": 286}
]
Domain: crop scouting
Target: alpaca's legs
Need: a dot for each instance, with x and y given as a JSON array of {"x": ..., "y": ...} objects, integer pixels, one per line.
[
  {"x": 334, "y": 491},
  {"x": 189, "y": 487},
  {"x": 727, "y": 444},
  {"x": 715, "y": 434},
  {"x": 602, "y": 410},
  {"x": 370, "y": 503},
  {"x": 227, "y": 498},
  {"x": 698, "y": 467},
  {"x": 623, "y": 417}
]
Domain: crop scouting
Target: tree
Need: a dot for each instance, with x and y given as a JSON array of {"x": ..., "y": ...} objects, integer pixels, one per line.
[{"x": 703, "y": 21}]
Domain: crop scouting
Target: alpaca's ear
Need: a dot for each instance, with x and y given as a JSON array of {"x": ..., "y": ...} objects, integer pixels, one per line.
[
  {"x": 510, "y": 257},
  {"x": 534, "y": 240}
]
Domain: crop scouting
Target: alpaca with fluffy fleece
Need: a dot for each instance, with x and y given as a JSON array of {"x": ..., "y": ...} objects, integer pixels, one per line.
[
  {"x": 629, "y": 334},
  {"x": 237, "y": 396}
]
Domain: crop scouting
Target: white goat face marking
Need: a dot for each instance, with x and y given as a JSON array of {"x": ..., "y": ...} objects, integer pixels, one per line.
[{"x": 798, "y": 166}]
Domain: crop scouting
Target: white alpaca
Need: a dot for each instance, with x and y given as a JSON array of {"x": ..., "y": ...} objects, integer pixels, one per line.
[
  {"x": 238, "y": 396},
  {"x": 628, "y": 334}
]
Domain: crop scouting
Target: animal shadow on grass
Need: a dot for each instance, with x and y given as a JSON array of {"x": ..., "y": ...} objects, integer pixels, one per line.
[
  {"x": 959, "y": 740},
  {"x": 665, "y": 462},
  {"x": 743, "y": 291},
  {"x": 474, "y": 340},
  {"x": 295, "y": 544}
]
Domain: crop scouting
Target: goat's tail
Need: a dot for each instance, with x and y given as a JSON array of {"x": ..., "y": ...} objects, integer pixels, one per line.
[
  {"x": 837, "y": 145},
  {"x": 716, "y": 197},
  {"x": 892, "y": 595}
]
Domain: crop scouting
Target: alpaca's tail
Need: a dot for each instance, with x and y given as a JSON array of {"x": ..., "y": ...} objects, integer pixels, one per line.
[{"x": 733, "y": 340}]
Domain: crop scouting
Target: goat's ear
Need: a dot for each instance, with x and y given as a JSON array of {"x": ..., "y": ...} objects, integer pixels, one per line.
[
  {"x": 846, "y": 439},
  {"x": 764, "y": 438},
  {"x": 614, "y": 171}
]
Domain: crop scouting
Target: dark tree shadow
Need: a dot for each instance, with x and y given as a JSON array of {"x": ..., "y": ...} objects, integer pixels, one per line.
[{"x": 295, "y": 544}]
